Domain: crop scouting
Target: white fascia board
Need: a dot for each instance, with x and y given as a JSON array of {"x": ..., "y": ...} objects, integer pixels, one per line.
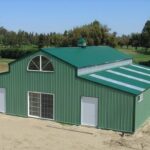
[{"x": 88, "y": 70}]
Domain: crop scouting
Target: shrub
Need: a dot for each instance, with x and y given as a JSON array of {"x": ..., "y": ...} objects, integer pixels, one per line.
[
  {"x": 14, "y": 53},
  {"x": 145, "y": 63}
]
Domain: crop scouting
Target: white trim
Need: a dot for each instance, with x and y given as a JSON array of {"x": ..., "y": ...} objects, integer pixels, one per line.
[
  {"x": 140, "y": 67},
  {"x": 87, "y": 70},
  {"x": 132, "y": 70},
  {"x": 128, "y": 76},
  {"x": 93, "y": 100},
  {"x": 141, "y": 98},
  {"x": 118, "y": 82},
  {"x": 4, "y": 100},
  {"x": 40, "y": 64},
  {"x": 40, "y": 104}
]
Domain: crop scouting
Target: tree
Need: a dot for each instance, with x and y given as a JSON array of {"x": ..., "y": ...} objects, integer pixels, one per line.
[
  {"x": 124, "y": 40},
  {"x": 135, "y": 40},
  {"x": 111, "y": 40},
  {"x": 146, "y": 35},
  {"x": 41, "y": 41}
]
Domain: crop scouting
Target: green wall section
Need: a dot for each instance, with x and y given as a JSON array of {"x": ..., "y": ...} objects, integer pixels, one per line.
[
  {"x": 116, "y": 110},
  {"x": 115, "y": 107},
  {"x": 142, "y": 109}
]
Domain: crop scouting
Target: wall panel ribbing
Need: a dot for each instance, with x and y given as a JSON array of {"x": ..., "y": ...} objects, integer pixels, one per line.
[{"x": 115, "y": 107}]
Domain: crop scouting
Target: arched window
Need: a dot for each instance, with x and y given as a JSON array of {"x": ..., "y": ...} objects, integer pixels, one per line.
[{"x": 40, "y": 63}]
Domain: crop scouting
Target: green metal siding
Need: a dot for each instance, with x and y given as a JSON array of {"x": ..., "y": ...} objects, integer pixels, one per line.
[
  {"x": 142, "y": 109},
  {"x": 116, "y": 111},
  {"x": 115, "y": 107}
]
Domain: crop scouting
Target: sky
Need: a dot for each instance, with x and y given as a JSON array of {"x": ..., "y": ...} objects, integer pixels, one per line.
[{"x": 44, "y": 16}]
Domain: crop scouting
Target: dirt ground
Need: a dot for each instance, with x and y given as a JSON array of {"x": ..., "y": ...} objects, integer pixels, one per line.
[{"x": 18, "y": 133}]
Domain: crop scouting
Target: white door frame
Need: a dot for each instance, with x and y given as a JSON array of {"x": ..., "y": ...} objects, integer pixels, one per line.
[
  {"x": 4, "y": 102},
  {"x": 96, "y": 117},
  {"x": 40, "y": 106}
]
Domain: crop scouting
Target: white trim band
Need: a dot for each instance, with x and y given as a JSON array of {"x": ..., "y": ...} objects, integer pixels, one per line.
[
  {"x": 117, "y": 82},
  {"x": 140, "y": 67},
  {"x": 92, "y": 69},
  {"x": 139, "y": 72},
  {"x": 128, "y": 76}
]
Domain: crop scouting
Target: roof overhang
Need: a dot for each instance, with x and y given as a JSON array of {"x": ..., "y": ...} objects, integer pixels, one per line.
[{"x": 131, "y": 78}]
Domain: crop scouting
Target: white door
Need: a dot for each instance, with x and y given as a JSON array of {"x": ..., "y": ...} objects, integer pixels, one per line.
[
  {"x": 89, "y": 110},
  {"x": 2, "y": 100}
]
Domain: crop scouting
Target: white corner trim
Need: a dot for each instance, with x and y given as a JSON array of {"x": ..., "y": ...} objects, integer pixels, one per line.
[
  {"x": 140, "y": 98},
  {"x": 87, "y": 70},
  {"x": 117, "y": 82},
  {"x": 128, "y": 76}
]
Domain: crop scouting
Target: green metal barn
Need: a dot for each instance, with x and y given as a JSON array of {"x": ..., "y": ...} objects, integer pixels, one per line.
[{"x": 95, "y": 86}]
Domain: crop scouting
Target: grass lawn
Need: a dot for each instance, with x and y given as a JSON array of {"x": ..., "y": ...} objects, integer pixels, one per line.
[
  {"x": 137, "y": 57},
  {"x": 22, "y": 47}
]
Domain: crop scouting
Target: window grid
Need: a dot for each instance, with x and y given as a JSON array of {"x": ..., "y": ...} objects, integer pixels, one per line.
[
  {"x": 34, "y": 104},
  {"x": 41, "y": 105},
  {"x": 40, "y": 63}
]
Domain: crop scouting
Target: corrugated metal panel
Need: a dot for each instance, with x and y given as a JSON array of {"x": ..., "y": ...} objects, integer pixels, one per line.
[
  {"x": 115, "y": 107},
  {"x": 127, "y": 81},
  {"x": 116, "y": 111},
  {"x": 142, "y": 109}
]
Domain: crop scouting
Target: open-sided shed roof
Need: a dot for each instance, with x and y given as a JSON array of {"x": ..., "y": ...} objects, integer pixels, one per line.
[
  {"x": 88, "y": 56},
  {"x": 130, "y": 78}
]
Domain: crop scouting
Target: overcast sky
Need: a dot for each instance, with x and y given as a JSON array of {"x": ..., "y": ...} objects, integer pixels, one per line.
[{"x": 43, "y": 16}]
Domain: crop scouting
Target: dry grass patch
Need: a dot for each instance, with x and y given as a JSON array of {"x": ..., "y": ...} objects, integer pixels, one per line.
[{"x": 3, "y": 67}]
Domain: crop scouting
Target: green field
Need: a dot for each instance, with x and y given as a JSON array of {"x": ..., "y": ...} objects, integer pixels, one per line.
[
  {"x": 22, "y": 47},
  {"x": 137, "y": 57}
]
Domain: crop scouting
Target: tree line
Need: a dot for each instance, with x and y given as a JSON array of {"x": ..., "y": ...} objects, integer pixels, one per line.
[
  {"x": 137, "y": 39},
  {"x": 95, "y": 34}
]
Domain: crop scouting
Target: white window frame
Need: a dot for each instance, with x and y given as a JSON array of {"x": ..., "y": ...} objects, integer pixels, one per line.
[
  {"x": 141, "y": 98},
  {"x": 40, "y": 64},
  {"x": 32, "y": 116}
]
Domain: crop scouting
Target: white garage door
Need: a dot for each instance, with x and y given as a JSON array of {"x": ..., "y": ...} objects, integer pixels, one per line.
[
  {"x": 89, "y": 110},
  {"x": 2, "y": 100}
]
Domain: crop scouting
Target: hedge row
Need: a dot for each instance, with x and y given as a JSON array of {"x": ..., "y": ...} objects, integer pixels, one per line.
[
  {"x": 145, "y": 63},
  {"x": 14, "y": 53}
]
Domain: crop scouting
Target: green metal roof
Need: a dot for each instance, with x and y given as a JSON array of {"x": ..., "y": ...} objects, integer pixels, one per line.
[
  {"x": 130, "y": 78},
  {"x": 88, "y": 56}
]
